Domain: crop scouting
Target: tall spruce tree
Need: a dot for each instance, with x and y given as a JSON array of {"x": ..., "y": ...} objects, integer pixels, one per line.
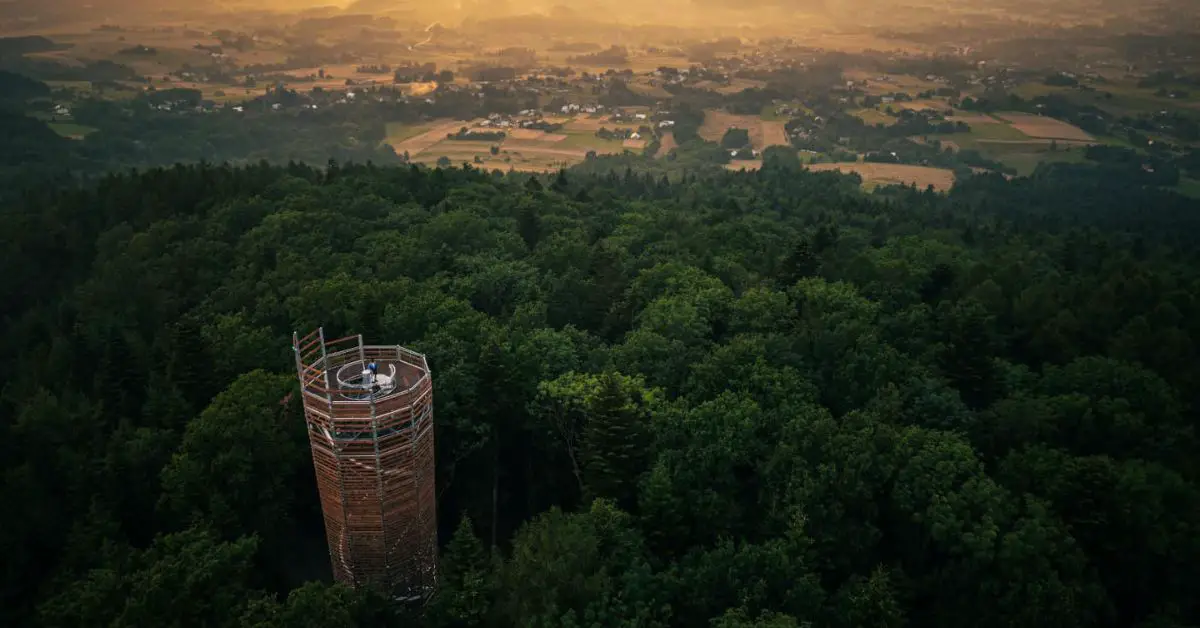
[
  {"x": 463, "y": 597},
  {"x": 615, "y": 452}
]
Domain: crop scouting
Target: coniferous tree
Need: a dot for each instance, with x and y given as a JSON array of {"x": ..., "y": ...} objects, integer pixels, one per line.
[
  {"x": 614, "y": 447},
  {"x": 464, "y": 584},
  {"x": 800, "y": 263},
  {"x": 528, "y": 223},
  {"x": 560, "y": 181},
  {"x": 967, "y": 350},
  {"x": 938, "y": 282}
]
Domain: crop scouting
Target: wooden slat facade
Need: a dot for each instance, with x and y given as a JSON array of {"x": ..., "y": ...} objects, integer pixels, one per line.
[{"x": 374, "y": 463}]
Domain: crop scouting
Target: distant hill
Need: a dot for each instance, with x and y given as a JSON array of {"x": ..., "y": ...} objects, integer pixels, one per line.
[
  {"x": 19, "y": 88},
  {"x": 27, "y": 44}
]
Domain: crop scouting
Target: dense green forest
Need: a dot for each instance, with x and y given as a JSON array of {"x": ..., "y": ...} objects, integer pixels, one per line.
[{"x": 725, "y": 399}]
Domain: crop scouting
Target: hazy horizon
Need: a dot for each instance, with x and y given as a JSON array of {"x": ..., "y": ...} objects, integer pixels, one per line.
[{"x": 768, "y": 17}]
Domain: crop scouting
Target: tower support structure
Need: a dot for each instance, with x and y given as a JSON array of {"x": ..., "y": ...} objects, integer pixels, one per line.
[{"x": 369, "y": 410}]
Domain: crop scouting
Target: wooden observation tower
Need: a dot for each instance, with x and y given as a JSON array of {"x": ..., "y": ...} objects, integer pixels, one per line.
[{"x": 369, "y": 411}]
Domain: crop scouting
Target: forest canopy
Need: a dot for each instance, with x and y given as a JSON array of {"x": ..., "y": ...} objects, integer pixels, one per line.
[{"x": 728, "y": 399}]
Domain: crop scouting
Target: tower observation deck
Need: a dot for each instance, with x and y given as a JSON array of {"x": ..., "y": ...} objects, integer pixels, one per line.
[{"x": 369, "y": 411}]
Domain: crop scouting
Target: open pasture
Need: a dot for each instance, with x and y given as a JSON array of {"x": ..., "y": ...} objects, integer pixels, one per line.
[
  {"x": 70, "y": 130},
  {"x": 429, "y": 136},
  {"x": 587, "y": 124},
  {"x": 879, "y": 84},
  {"x": 997, "y": 131},
  {"x": 587, "y": 140},
  {"x": 644, "y": 88},
  {"x": 1026, "y": 161},
  {"x": 738, "y": 85},
  {"x": 1043, "y": 127},
  {"x": 873, "y": 117},
  {"x": 648, "y": 62}
]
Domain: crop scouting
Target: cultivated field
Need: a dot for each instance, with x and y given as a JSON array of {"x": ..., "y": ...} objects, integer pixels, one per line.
[
  {"x": 920, "y": 105},
  {"x": 522, "y": 149},
  {"x": 1046, "y": 128},
  {"x": 717, "y": 122},
  {"x": 535, "y": 135},
  {"x": 889, "y": 174},
  {"x": 774, "y": 133},
  {"x": 763, "y": 133},
  {"x": 666, "y": 144}
]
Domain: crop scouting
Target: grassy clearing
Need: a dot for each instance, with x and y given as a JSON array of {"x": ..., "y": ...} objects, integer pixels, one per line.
[
  {"x": 646, "y": 63},
  {"x": 397, "y": 132},
  {"x": 644, "y": 88},
  {"x": 1030, "y": 91},
  {"x": 738, "y": 85},
  {"x": 873, "y": 117},
  {"x": 71, "y": 130},
  {"x": 1027, "y": 162},
  {"x": 1123, "y": 97},
  {"x": 990, "y": 137},
  {"x": 587, "y": 140},
  {"x": 768, "y": 114},
  {"x": 1189, "y": 187},
  {"x": 71, "y": 85}
]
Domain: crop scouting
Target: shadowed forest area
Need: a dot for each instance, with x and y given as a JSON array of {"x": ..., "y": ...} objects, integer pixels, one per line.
[{"x": 716, "y": 398}]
